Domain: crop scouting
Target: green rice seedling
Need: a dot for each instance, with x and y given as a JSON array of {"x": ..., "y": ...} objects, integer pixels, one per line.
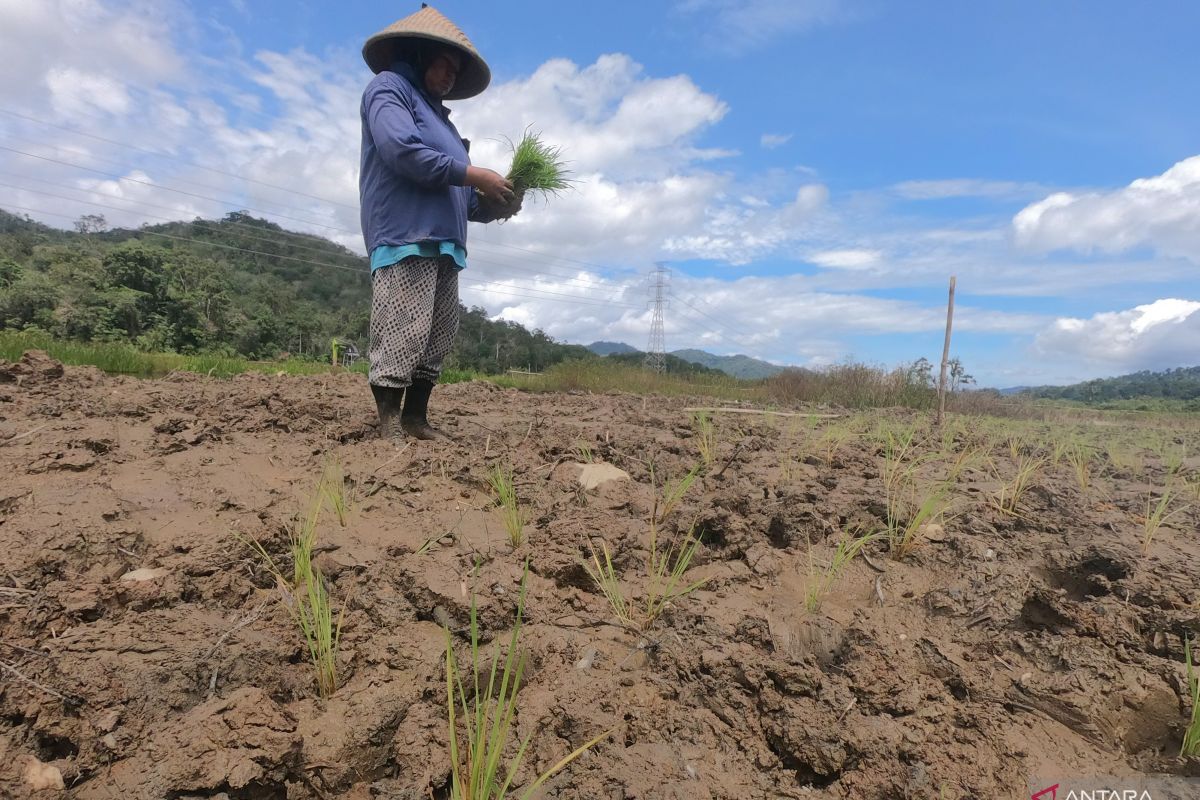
[
  {"x": 1158, "y": 514},
  {"x": 1016, "y": 446},
  {"x": 667, "y": 569},
  {"x": 604, "y": 576},
  {"x": 929, "y": 504},
  {"x": 1079, "y": 458},
  {"x": 1191, "y": 736},
  {"x": 537, "y": 166},
  {"x": 585, "y": 453},
  {"x": 307, "y": 597},
  {"x": 1172, "y": 459},
  {"x": 333, "y": 485},
  {"x": 501, "y": 480},
  {"x": 1124, "y": 458},
  {"x": 706, "y": 438},
  {"x": 673, "y": 493},
  {"x": 1060, "y": 447},
  {"x": 967, "y": 458},
  {"x": 832, "y": 439},
  {"x": 1012, "y": 491},
  {"x": 820, "y": 581},
  {"x": 482, "y": 712}
]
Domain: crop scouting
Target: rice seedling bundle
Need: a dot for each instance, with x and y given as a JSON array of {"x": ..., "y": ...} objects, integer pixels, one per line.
[{"x": 537, "y": 167}]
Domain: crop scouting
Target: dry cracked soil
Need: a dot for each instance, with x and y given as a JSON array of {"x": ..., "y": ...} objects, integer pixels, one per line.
[{"x": 147, "y": 653}]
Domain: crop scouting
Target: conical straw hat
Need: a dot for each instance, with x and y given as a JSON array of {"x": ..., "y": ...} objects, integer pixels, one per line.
[{"x": 430, "y": 25}]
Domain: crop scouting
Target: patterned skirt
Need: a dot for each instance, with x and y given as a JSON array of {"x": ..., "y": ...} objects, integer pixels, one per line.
[{"x": 414, "y": 317}]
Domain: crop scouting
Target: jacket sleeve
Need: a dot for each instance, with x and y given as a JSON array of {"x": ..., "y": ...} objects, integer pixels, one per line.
[{"x": 389, "y": 116}]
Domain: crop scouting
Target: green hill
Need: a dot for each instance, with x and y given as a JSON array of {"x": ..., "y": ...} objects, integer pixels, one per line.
[
  {"x": 235, "y": 286},
  {"x": 738, "y": 366},
  {"x": 1176, "y": 387}
]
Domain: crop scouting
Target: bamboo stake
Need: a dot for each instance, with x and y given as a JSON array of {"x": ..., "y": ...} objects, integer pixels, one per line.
[{"x": 946, "y": 354}]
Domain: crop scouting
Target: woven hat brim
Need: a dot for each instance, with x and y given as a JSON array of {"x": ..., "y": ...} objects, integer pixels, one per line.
[{"x": 473, "y": 78}]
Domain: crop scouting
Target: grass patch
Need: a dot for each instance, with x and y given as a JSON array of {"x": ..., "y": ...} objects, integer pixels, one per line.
[{"x": 481, "y": 713}]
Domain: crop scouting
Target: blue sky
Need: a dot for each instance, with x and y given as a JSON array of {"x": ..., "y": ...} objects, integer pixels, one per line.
[{"x": 813, "y": 171}]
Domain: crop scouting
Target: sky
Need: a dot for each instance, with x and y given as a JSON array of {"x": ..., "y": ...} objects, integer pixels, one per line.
[{"x": 811, "y": 172}]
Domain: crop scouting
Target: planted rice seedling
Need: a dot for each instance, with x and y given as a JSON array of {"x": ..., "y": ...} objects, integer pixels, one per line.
[
  {"x": 333, "y": 485},
  {"x": 1157, "y": 515},
  {"x": 604, "y": 575},
  {"x": 537, "y": 166},
  {"x": 1191, "y": 735},
  {"x": 832, "y": 439},
  {"x": 307, "y": 597},
  {"x": 667, "y": 569},
  {"x": 501, "y": 480},
  {"x": 966, "y": 459},
  {"x": 673, "y": 493},
  {"x": 706, "y": 438},
  {"x": 1079, "y": 457},
  {"x": 820, "y": 581},
  {"x": 665, "y": 583},
  {"x": 1172, "y": 459},
  {"x": 928, "y": 506},
  {"x": 585, "y": 453},
  {"x": 482, "y": 712},
  {"x": 1012, "y": 491}
]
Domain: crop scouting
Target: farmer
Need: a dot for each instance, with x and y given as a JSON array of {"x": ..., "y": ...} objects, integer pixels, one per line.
[{"x": 418, "y": 190}]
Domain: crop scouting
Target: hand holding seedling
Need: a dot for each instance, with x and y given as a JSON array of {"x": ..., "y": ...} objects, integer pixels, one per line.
[{"x": 493, "y": 186}]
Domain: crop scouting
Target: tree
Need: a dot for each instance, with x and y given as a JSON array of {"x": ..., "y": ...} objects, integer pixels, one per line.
[
  {"x": 91, "y": 223},
  {"x": 10, "y": 271},
  {"x": 920, "y": 373},
  {"x": 958, "y": 375}
]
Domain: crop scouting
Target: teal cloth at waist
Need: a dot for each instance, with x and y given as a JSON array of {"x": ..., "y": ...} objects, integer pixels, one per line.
[{"x": 387, "y": 254}]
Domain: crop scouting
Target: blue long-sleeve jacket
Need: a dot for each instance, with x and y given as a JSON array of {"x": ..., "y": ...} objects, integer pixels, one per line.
[{"x": 414, "y": 165}]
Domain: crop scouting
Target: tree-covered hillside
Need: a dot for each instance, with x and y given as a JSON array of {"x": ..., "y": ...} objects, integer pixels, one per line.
[
  {"x": 235, "y": 286},
  {"x": 1181, "y": 384}
]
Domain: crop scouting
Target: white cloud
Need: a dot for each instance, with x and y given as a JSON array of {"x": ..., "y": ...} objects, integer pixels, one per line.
[
  {"x": 770, "y": 141},
  {"x": 70, "y": 48},
  {"x": 846, "y": 259},
  {"x": 1157, "y": 335},
  {"x": 1162, "y": 212}
]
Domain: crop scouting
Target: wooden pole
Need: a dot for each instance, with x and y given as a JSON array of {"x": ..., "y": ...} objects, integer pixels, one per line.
[{"x": 946, "y": 354}]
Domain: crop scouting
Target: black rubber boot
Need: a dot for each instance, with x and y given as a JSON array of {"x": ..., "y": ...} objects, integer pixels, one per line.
[
  {"x": 389, "y": 402},
  {"x": 416, "y": 408}
]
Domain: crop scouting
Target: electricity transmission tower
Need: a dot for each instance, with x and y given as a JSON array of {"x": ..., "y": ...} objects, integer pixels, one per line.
[{"x": 656, "y": 351}]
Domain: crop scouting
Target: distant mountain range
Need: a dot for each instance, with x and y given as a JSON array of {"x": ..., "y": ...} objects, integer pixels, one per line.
[{"x": 738, "y": 366}]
